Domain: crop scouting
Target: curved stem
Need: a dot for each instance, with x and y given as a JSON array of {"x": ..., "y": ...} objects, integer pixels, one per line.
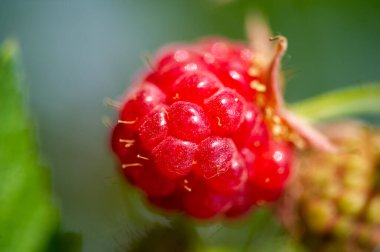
[{"x": 363, "y": 99}]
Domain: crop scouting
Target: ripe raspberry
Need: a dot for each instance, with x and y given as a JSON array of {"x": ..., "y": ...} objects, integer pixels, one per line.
[
  {"x": 174, "y": 157},
  {"x": 193, "y": 137},
  {"x": 272, "y": 162}
]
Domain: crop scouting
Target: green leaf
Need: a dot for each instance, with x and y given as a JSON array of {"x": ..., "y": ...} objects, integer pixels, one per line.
[
  {"x": 257, "y": 232},
  {"x": 178, "y": 236},
  {"x": 358, "y": 100},
  {"x": 27, "y": 215},
  {"x": 65, "y": 242}
]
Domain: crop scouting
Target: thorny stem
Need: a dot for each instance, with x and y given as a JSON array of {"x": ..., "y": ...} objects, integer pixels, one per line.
[{"x": 357, "y": 100}]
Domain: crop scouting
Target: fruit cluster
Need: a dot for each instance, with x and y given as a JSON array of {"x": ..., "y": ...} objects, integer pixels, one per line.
[
  {"x": 196, "y": 136},
  {"x": 334, "y": 203}
]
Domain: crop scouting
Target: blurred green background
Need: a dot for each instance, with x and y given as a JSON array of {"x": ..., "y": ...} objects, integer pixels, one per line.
[{"x": 76, "y": 53}]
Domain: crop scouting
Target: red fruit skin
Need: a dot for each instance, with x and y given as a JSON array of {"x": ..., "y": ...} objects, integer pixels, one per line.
[
  {"x": 253, "y": 131},
  {"x": 169, "y": 203},
  {"x": 170, "y": 69},
  {"x": 226, "y": 111},
  {"x": 121, "y": 139},
  {"x": 191, "y": 137},
  {"x": 220, "y": 49},
  {"x": 195, "y": 87},
  {"x": 188, "y": 122},
  {"x": 154, "y": 128},
  {"x": 144, "y": 100},
  {"x": 139, "y": 169},
  {"x": 234, "y": 75},
  {"x": 230, "y": 63},
  {"x": 174, "y": 157},
  {"x": 152, "y": 182},
  {"x": 204, "y": 204},
  {"x": 262, "y": 195},
  {"x": 174, "y": 55},
  {"x": 214, "y": 156},
  {"x": 242, "y": 203},
  {"x": 231, "y": 181},
  {"x": 272, "y": 165},
  {"x": 200, "y": 202}
]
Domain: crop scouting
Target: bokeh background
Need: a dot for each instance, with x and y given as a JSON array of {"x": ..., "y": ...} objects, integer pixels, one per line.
[{"x": 77, "y": 53}]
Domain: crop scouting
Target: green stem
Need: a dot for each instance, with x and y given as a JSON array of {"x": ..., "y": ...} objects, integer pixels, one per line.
[{"x": 358, "y": 100}]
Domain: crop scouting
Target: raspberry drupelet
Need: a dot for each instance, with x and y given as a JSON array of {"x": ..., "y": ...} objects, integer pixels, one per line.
[{"x": 198, "y": 134}]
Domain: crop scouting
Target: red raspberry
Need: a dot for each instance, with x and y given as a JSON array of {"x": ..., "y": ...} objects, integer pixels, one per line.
[
  {"x": 201, "y": 202},
  {"x": 195, "y": 87},
  {"x": 174, "y": 157},
  {"x": 154, "y": 128},
  {"x": 192, "y": 136},
  {"x": 214, "y": 156},
  {"x": 232, "y": 180},
  {"x": 272, "y": 165},
  {"x": 226, "y": 111},
  {"x": 188, "y": 121},
  {"x": 142, "y": 101}
]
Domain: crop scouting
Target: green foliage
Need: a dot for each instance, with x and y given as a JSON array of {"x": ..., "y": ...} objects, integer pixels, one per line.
[
  {"x": 65, "y": 242},
  {"x": 178, "y": 236},
  {"x": 257, "y": 232},
  {"x": 357, "y": 100},
  {"x": 27, "y": 215}
]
